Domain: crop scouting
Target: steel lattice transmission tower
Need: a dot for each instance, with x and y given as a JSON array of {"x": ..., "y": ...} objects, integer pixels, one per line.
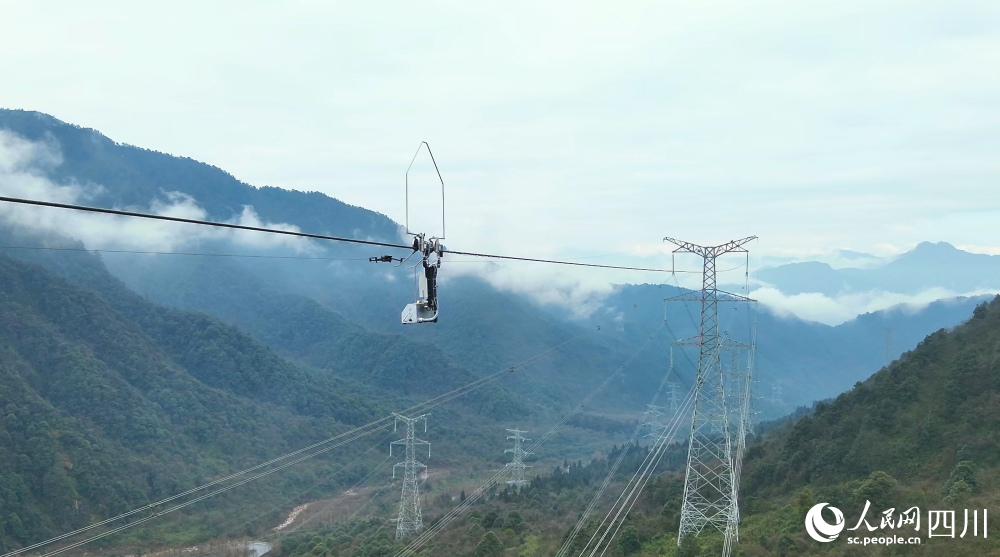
[
  {"x": 711, "y": 482},
  {"x": 739, "y": 378},
  {"x": 409, "y": 519},
  {"x": 517, "y": 465},
  {"x": 777, "y": 397},
  {"x": 654, "y": 422},
  {"x": 674, "y": 402}
]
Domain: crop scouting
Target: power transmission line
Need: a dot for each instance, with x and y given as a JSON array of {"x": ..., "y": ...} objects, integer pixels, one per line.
[
  {"x": 157, "y": 512},
  {"x": 293, "y": 233},
  {"x": 636, "y": 484},
  {"x": 630, "y": 495},
  {"x": 350, "y": 435},
  {"x": 445, "y": 520},
  {"x": 141, "y": 252},
  {"x": 568, "y": 542}
]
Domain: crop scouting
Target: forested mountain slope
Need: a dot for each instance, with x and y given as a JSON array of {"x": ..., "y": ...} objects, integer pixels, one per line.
[
  {"x": 313, "y": 310},
  {"x": 923, "y": 432},
  {"x": 110, "y": 402},
  {"x": 102, "y": 414},
  {"x": 131, "y": 176}
]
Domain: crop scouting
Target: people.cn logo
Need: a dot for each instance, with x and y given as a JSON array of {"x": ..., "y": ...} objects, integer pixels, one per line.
[{"x": 819, "y": 529}]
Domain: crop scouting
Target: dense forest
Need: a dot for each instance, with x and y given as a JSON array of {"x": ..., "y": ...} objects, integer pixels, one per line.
[
  {"x": 921, "y": 432},
  {"x": 107, "y": 408},
  {"x": 111, "y": 402},
  {"x": 129, "y": 377}
]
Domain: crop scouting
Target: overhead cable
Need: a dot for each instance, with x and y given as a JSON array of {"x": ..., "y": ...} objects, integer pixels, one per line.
[{"x": 298, "y": 234}]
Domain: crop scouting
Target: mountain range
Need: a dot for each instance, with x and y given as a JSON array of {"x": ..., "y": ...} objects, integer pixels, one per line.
[
  {"x": 927, "y": 266},
  {"x": 279, "y": 343},
  {"x": 485, "y": 328}
]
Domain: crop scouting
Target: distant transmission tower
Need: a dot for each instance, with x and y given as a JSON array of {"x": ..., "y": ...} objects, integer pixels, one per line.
[
  {"x": 711, "y": 484},
  {"x": 409, "y": 519},
  {"x": 517, "y": 465},
  {"x": 656, "y": 427},
  {"x": 777, "y": 398},
  {"x": 674, "y": 402}
]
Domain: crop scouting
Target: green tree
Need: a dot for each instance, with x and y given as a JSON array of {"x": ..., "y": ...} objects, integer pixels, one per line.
[
  {"x": 629, "y": 541},
  {"x": 879, "y": 489},
  {"x": 688, "y": 547},
  {"x": 489, "y": 546},
  {"x": 514, "y": 521},
  {"x": 961, "y": 482}
]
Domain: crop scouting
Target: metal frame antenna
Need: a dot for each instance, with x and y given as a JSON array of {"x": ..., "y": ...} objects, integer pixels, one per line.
[
  {"x": 711, "y": 483},
  {"x": 440, "y": 179},
  {"x": 425, "y": 309},
  {"x": 517, "y": 465},
  {"x": 409, "y": 519}
]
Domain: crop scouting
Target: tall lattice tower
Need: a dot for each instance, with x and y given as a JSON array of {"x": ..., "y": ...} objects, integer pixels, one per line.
[
  {"x": 517, "y": 465},
  {"x": 409, "y": 519},
  {"x": 777, "y": 397},
  {"x": 654, "y": 417},
  {"x": 711, "y": 484},
  {"x": 673, "y": 402},
  {"x": 739, "y": 378}
]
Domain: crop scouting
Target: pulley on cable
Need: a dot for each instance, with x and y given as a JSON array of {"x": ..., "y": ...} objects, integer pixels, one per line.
[{"x": 425, "y": 308}]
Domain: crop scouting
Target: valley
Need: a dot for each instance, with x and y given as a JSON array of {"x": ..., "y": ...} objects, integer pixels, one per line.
[{"x": 139, "y": 363}]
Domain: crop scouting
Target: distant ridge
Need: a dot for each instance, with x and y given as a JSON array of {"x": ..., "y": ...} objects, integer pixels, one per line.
[
  {"x": 928, "y": 265},
  {"x": 132, "y": 177}
]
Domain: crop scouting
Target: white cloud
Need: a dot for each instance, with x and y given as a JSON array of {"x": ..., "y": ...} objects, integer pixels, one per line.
[
  {"x": 988, "y": 250},
  {"x": 836, "y": 310},
  {"x": 22, "y": 174},
  {"x": 579, "y": 294},
  {"x": 812, "y": 125},
  {"x": 563, "y": 129}
]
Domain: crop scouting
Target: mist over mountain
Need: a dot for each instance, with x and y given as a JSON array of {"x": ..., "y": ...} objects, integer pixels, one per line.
[
  {"x": 927, "y": 266},
  {"x": 263, "y": 336},
  {"x": 304, "y": 307},
  {"x": 818, "y": 291}
]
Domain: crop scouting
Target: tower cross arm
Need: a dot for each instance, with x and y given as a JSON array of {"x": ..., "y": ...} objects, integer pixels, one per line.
[
  {"x": 686, "y": 246},
  {"x": 734, "y": 245},
  {"x": 710, "y": 251}
]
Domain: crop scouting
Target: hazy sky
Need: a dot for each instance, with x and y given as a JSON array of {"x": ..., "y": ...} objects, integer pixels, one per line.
[{"x": 564, "y": 129}]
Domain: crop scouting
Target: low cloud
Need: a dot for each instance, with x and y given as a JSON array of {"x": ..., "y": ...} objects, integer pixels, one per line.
[
  {"x": 579, "y": 294},
  {"x": 836, "y": 310},
  {"x": 23, "y": 173}
]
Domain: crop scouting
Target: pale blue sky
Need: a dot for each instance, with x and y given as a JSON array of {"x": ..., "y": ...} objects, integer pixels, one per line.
[{"x": 563, "y": 129}]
